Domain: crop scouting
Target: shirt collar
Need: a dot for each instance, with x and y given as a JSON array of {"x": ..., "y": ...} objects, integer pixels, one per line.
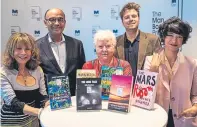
[
  {"x": 136, "y": 39},
  {"x": 177, "y": 59},
  {"x": 138, "y": 36},
  {"x": 50, "y": 40}
]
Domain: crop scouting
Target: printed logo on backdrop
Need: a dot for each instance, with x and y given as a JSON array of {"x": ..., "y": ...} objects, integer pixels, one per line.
[
  {"x": 115, "y": 31},
  {"x": 35, "y": 12},
  {"x": 157, "y": 19},
  {"x": 95, "y": 29},
  {"x": 77, "y": 13},
  {"x": 96, "y": 13},
  {"x": 15, "y": 29},
  {"x": 173, "y": 3},
  {"x": 36, "y": 33},
  {"x": 14, "y": 12},
  {"x": 115, "y": 11},
  {"x": 77, "y": 32}
]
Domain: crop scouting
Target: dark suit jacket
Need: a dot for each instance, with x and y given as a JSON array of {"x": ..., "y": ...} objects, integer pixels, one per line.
[
  {"x": 75, "y": 58},
  {"x": 148, "y": 43}
]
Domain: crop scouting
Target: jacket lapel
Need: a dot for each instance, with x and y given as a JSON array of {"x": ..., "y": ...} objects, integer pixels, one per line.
[
  {"x": 120, "y": 47},
  {"x": 69, "y": 50},
  {"x": 181, "y": 60},
  {"x": 164, "y": 76},
  {"x": 164, "y": 71},
  {"x": 142, "y": 49},
  {"x": 49, "y": 53}
]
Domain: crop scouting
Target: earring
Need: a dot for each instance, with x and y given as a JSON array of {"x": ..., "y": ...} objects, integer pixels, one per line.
[
  {"x": 180, "y": 49},
  {"x": 33, "y": 58}
]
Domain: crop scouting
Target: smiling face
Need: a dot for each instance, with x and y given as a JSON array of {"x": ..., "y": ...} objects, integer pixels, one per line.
[
  {"x": 173, "y": 41},
  {"x": 105, "y": 50},
  {"x": 55, "y": 21},
  {"x": 130, "y": 19},
  {"x": 22, "y": 53}
]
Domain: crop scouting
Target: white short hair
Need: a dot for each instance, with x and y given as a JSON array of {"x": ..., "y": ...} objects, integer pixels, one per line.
[{"x": 105, "y": 35}]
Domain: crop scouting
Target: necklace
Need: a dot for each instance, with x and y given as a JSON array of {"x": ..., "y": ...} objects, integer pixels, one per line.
[
  {"x": 172, "y": 63},
  {"x": 25, "y": 80},
  {"x": 24, "y": 76}
]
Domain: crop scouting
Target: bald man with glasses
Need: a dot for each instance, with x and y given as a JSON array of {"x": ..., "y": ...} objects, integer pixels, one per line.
[{"x": 59, "y": 53}]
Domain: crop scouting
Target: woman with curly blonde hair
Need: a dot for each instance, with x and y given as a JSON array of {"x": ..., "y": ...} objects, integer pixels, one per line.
[{"x": 22, "y": 83}]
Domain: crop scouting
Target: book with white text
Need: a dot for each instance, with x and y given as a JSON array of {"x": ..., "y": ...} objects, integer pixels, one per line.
[{"x": 88, "y": 94}]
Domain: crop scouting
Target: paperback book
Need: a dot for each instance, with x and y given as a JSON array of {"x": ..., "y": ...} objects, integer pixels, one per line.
[
  {"x": 89, "y": 94},
  {"x": 59, "y": 91},
  {"x": 144, "y": 91},
  {"x": 120, "y": 93},
  {"x": 106, "y": 77},
  {"x": 86, "y": 73}
]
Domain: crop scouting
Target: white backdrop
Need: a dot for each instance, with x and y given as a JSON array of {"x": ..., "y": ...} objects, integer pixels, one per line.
[
  {"x": 84, "y": 17},
  {"x": 189, "y": 14}
]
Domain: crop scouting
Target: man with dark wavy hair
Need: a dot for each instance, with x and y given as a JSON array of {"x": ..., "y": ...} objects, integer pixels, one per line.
[{"x": 134, "y": 45}]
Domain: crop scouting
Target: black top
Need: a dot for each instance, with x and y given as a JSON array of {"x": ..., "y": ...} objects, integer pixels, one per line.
[
  {"x": 15, "y": 96},
  {"x": 131, "y": 53},
  {"x": 13, "y": 115}
]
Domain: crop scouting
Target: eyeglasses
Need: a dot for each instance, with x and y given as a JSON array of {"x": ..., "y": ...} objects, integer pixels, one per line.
[
  {"x": 53, "y": 20},
  {"x": 173, "y": 35}
]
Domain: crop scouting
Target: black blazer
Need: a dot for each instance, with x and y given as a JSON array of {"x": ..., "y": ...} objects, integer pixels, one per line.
[{"x": 75, "y": 58}]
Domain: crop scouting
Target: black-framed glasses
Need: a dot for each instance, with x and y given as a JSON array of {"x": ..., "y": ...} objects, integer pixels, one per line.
[{"x": 53, "y": 20}]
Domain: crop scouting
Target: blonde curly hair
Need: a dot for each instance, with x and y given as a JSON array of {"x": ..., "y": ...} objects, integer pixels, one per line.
[{"x": 17, "y": 39}]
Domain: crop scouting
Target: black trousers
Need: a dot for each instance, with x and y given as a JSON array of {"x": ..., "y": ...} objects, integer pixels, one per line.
[{"x": 170, "y": 119}]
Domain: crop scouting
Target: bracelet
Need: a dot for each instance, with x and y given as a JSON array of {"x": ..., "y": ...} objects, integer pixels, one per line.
[{"x": 39, "y": 112}]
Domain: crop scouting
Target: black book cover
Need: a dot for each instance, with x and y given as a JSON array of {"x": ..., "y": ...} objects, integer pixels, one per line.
[{"x": 89, "y": 94}]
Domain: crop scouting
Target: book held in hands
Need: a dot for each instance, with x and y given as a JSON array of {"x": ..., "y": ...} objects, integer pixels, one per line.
[
  {"x": 144, "y": 90},
  {"x": 120, "y": 93},
  {"x": 59, "y": 91}
]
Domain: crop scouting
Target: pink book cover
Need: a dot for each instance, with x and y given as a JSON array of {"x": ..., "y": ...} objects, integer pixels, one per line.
[
  {"x": 120, "y": 93},
  {"x": 144, "y": 91}
]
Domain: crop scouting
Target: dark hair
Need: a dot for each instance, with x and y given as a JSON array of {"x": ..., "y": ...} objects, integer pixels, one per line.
[
  {"x": 49, "y": 10},
  {"x": 130, "y": 6},
  {"x": 175, "y": 25},
  {"x": 14, "y": 40}
]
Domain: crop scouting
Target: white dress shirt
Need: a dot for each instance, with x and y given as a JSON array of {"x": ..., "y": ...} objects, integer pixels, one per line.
[{"x": 59, "y": 51}]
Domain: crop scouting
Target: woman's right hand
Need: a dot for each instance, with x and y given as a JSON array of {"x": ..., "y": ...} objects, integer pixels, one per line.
[{"x": 190, "y": 112}]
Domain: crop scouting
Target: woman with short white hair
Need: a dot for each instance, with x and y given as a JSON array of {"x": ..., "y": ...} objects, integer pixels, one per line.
[{"x": 105, "y": 42}]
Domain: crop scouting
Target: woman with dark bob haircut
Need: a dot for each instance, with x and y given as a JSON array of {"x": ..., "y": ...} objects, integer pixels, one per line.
[
  {"x": 177, "y": 79},
  {"x": 23, "y": 89}
]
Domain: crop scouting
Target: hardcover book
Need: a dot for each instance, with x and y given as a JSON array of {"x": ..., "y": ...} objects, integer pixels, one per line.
[
  {"x": 144, "y": 91},
  {"x": 59, "y": 91},
  {"x": 106, "y": 76},
  {"x": 86, "y": 73},
  {"x": 120, "y": 93},
  {"x": 89, "y": 94}
]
